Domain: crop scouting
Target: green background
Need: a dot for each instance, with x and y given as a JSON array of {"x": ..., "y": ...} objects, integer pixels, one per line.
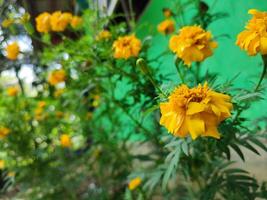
[{"x": 228, "y": 60}]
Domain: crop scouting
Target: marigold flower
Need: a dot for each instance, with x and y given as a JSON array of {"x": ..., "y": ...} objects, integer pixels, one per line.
[
  {"x": 12, "y": 91},
  {"x": 197, "y": 111},
  {"x": 192, "y": 44},
  {"x": 43, "y": 22},
  {"x": 167, "y": 12},
  {"x": 7, "y": 22},
  {"x": 103, "y": 35},
  {"x": 56, "y": 76},
  {"x": 126, "y": 47},
  {"x": 134, "y": 183},
  {"x": 96, "y": 100},
  {"x": 166, "y": 27},
  {"x": 12, "y": 51},
  {"x": 41, "y": 104},
  {"x": 4, "y": 132},
  {"x": 65, "y": 141},
  {"x": 2, "y": 164},
  {"x": 59, "y": 21},
  {"x": 76, "y": 21},
  {"x": 254, "y": 38}
]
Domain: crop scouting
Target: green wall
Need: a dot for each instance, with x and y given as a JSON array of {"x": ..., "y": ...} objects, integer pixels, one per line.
[{"x": 228, "y": 60}]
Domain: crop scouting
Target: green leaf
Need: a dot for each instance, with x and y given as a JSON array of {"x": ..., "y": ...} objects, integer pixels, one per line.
[
  {"x": 171, "y": 167},
  {"x": 258, "y": 143},
  {"x": 238, "y": 151},
  {"x": 185, "y": 148},
  {"x": 249, "y": 146}
]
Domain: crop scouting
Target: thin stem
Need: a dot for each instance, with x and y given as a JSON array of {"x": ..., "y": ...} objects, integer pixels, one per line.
[
  {"x": 177, "y": 65},
  {"x": 19, "y": 80},
  {"x": 197, "y": 72},
  {"x": 264, "y": 58}
]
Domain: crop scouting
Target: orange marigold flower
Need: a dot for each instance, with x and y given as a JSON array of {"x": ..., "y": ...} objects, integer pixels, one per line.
[
  {"x": 65, "y": 141},
  {"x": 76, "y": 21},
  {"x": 4, "y": 132},
  {"x": 126, "y": 47},
  {"x": 56, "y": 76},
  {"x": 192, "y": 44},
  {"x": 12, "y": 51},
  {"x": 41, "y": 104},
  {"x": 254, "y": 38},
  {"x": 12, "y": 91},
  {"x": 103, "y": 35},
  {"x": 59, "y": 21},
  {"x": 166, "y": 27},
  {"x": 43, "y": 22},
  {"x": 134, "y": 183},
  {"x": 197, "y": 111},
  {"x": 167, "y": 12}
]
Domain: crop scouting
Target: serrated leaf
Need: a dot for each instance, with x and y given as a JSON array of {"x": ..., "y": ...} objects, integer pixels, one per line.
[
  {"x": 249, "y": 146},
  {"x": 238, "y": 151},
  {"x": 258, "y": 143},
  {"x": 171, "y": 168},
  {"x": 185, "y": 148}
]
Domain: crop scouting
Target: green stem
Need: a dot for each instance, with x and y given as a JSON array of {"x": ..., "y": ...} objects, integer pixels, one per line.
[
  {"x": 197, "y": 72},
  {"x": 264, "y": 58},
  {"x": 177, "y": 65}
]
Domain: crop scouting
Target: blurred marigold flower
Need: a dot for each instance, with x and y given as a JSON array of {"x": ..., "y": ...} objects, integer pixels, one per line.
[
  {"x": 167, "y": 12},
  {"x": 57, "y": 76},
  {"x": 126, "y": 47},
  {"x": 192, "y": 44},
  {"x": 134, "y": 183},
  {"x": 12, "y": 91},
  {"x": 197, "y": 111},
  {"x": 2, "y": 164},
  {"x": 41, "y": 104},
  {"x": 166, "y": 27},
  {"x": 103, "y": 35},
  {"x": 43, "y": 22},
  {"x": 254, "y": 38},
  {"x": 65, "y": 141},
  {"x": 76, "y": 21},
  {"x": 12, "y": 51},
  {"x": 7, "y": 22},
  {"x": 4, "y": 132},
  {"x": 59, "y": 21}
]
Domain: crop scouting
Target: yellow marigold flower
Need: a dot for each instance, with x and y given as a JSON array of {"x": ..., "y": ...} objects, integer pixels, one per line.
[
  {"x": 43, "y": 22},
  {"x": 12, "y": 51},
  {"x": 167, "y": 12},
  {"x": 134, "y": 183},
  {"x": 103, "y": 35},
  {"x": 59, "y": 21},
  {"x": 7, "y": 22},
  {"x": 254, "y": 38},
  {"x": 4, "y": 132},
  {"x": 126, "y": 47},
  {"x": 2, "y": 164},
  {"x": 166, "y": 27},
  {"x": 65, "y": 141},
  {"x": 12, "y": 91},
  {"x": 76, "y": 21},
  {"x": 56, "y": 76},
  {"x": 197, "y": 111},
  {"x": 192, "y": 44},
  {"x": 41, "y": 104},
  {"x": 11, "y": 174}
]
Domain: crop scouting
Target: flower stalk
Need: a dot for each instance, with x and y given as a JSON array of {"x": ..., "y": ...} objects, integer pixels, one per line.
[{"x": 264, "y": 58}]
